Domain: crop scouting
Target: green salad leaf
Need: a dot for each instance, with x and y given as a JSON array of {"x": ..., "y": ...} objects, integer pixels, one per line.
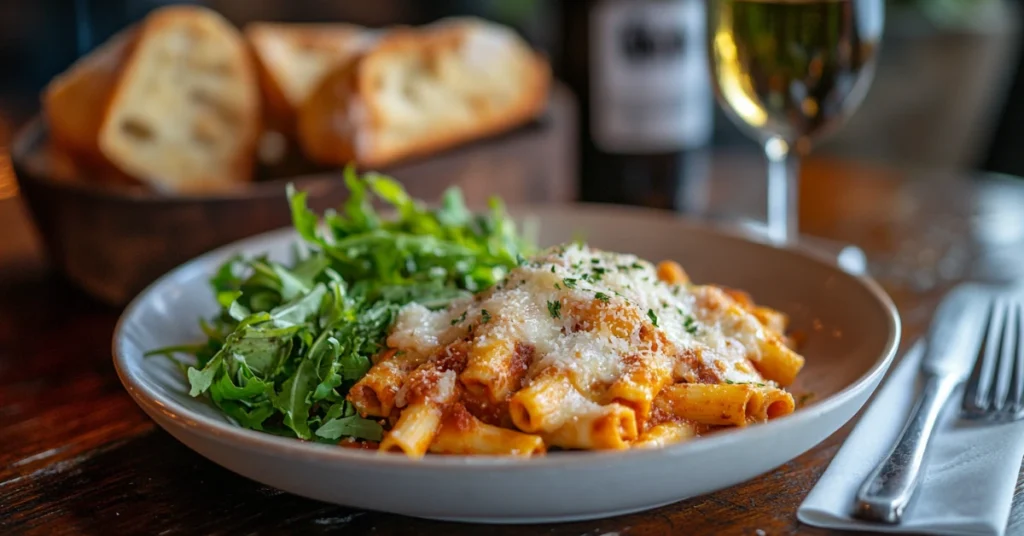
[{"x": 290, "y": 339}]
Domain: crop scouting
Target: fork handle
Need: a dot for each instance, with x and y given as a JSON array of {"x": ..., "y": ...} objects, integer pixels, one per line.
[{"x": 889, "y": 488}]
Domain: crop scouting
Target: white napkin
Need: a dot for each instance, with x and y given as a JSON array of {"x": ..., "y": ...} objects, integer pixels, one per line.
[{"x": 970, "y": 470}]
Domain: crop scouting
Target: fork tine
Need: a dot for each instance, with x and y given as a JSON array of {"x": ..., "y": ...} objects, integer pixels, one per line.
[
  {"x": 973, "y": 398},
  {"x": 989, "y": 358},
  {"x": 1007, "y": 356},
  {"x": 1018, "y": 381}
]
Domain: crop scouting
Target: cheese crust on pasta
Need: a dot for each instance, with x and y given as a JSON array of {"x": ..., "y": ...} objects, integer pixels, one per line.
[{"x": 579, "y": 348}]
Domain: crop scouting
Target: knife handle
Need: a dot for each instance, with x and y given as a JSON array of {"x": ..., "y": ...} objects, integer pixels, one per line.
[{"x": 889, "y": 488}]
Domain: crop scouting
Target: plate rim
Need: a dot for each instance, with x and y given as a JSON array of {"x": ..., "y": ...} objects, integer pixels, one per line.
[{"x": 237, "y": 436}]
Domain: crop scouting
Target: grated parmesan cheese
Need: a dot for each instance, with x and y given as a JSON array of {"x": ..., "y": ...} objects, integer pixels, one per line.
[{"x": 538, "y": 303}]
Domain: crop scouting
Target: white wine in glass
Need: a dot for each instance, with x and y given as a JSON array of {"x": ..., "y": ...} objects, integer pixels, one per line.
[{"x": 787, "y": 72}]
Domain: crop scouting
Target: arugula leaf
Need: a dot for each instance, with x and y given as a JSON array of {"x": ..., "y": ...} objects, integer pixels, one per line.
[
  {"x": 263, "y": 350},
  {"x": 226, "y": 297},
  {"x": 225, "y": 388},
  {"x": 248, "y": 415},
  {"x": 263, "y": 301},
  {"x": 304, "y": 220},
  {"x": 453, "y": 212},
  {"x": 342, "y": 409},
  {"x": 325, "y": 352},
  {"x": 238, "y": 311},
  {"x": 226, "y": 279},
  {"x": 361, "y": 216},
  {"x": 391, "y": 191},
  {"x": 299, "y": 280},
  {"x": 301, "y": 309},
  {"x": 294, "y": 399},
  {"x": 352, "y": 426},
  {"x": 291, "y": 285},
  {"x": 200, "y": 380},
  {"x": 307, "y": 270},
  {"x": 354, "y": 366}
]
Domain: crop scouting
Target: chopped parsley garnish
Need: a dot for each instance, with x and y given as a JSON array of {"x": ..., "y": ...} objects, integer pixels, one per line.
[
  {"x": 595, "y": 261},
  {"x": 555, "y": 309},
  {"x": 755, "y": 384},
  {"x": 653, "y": 317},
  {"x": 485, "y": 316},
  {"x": 602, "y": 296},
  {"x": 594, "y": 276},
  {"x": 637, "y": 266},
  {"x": 690, "y": 325},
  {"x": 459, "y": 319},
  {"x": 552, "y": 268},
  {"x": 569, "y": 282},
  {"x": 558, "y": 287}
]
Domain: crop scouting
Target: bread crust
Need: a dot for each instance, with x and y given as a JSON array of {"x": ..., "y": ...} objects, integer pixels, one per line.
[
  {"x": 166, "y": 171},
  {"x": 73, "y": 102},
  {"x": 277, "y": 47},
  {"x": 348, "y": 119}
]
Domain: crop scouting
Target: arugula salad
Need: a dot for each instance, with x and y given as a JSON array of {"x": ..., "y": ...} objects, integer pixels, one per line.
[{"x": 291, "y": 338}]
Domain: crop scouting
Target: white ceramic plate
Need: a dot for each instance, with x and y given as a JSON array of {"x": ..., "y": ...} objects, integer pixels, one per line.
[{"x": 852, "y": 332}]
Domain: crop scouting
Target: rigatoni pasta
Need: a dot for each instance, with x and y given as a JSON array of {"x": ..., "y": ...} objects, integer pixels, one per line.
[{"x": 579, "y": 348}]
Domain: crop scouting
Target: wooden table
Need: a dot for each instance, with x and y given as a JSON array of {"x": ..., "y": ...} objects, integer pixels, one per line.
[{"x": 78, "y": 457}]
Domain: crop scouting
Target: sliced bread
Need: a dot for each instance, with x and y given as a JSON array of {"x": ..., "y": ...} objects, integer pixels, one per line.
[
  {"x": 420, "y": 91},
  {"x": 294, "y": 57},
  {"x": 74, "y": 101},
  {"x": 184, "y": 114}
]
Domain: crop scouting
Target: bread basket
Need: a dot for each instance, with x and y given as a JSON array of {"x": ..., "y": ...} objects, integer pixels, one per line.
[{"x": 112, "y": 240}]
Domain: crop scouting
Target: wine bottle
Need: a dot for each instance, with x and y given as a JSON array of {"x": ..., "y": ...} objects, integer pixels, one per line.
[{"x": 640, "y": 71}]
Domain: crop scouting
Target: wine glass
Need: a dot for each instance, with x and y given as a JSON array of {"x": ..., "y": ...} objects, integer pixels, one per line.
[{"x": 788, "y": 72}]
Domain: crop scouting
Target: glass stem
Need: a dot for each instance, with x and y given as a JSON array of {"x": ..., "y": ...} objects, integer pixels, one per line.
[{"x": 783, "y": 190}]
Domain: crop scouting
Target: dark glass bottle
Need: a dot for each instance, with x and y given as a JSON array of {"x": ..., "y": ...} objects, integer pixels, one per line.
[{"x": 639, "y": 69}]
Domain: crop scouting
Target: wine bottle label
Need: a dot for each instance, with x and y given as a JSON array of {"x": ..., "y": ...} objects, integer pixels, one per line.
[{"x": 649, "y": 79}]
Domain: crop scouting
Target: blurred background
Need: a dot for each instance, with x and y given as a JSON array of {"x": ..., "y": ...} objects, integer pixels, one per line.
[{"x": 948, "y": 91}]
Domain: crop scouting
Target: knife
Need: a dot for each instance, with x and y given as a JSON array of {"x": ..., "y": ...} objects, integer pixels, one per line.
[{"x": 951, "y": 349}]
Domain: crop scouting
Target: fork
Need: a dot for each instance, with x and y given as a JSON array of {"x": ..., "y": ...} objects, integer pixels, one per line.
[{"x": 995, "y": 391}]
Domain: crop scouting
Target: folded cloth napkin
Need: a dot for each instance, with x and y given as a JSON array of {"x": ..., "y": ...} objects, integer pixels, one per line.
[{"x": 970, "y": 469}]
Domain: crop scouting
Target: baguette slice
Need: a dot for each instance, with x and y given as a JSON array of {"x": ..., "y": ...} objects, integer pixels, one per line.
[
  {"x": 184, "y": 115},
  {"x": 420, "y": 91},
  {"x": 294, "y": 57},
  {"x": 74, "y": 101}
]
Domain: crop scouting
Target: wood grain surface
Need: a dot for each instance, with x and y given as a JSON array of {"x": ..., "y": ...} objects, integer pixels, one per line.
[{"x": 78, "y": 457}]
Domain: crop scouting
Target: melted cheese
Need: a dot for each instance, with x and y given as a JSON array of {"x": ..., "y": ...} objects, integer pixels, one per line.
[{"x": 539, "y": 304}]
